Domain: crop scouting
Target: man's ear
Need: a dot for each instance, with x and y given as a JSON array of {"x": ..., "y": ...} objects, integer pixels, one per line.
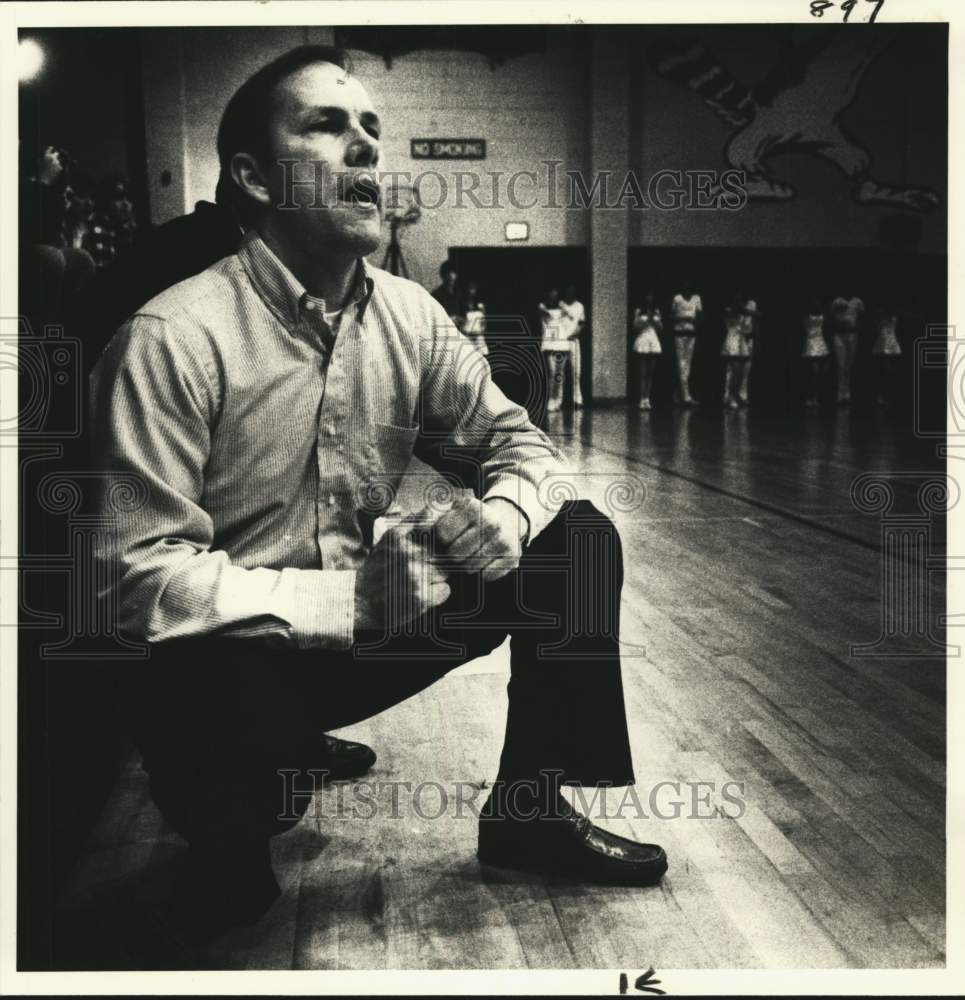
[{"x": 248, "y": 175}]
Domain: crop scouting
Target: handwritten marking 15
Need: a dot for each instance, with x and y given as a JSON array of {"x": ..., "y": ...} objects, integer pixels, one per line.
[{"x": 644, "y": 983}]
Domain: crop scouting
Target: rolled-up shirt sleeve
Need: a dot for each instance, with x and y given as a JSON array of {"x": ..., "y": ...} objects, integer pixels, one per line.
[
  {"x": 467, "y": 417},
  {"x": 153, "y": 405}
]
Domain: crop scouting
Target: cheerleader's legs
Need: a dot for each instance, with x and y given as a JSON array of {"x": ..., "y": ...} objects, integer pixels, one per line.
[
  {"x": 743, "y": 378},
  {"x": 685, "y": 356},
  {"x": 731, "y": 381},
  {"x": 577, "y": 369},
  {"x": 844, "y": 345},
  {"x": 814, "y": 379},
  {"x": 555, "y": 374},
  {"x": 820, "y": 379},
  {"x": 645, "y": 366},
  {"x": 884, "y": 372}
]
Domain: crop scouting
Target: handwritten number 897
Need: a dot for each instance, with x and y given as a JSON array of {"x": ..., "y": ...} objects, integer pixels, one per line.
[{"x": 818, "y": 7}]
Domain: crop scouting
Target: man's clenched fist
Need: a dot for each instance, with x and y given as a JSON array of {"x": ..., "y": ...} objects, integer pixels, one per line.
[
  {"x": 397, "y": 582},
  {"x": 406, "y": 573},
  {"x": 483, "y": 537}
]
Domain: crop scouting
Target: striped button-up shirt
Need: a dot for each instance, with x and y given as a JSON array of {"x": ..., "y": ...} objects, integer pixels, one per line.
[{"x": 253, "y": 446}]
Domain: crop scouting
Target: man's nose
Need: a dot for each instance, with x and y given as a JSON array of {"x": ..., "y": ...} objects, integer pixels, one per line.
[{"x": 363, "y": 150}]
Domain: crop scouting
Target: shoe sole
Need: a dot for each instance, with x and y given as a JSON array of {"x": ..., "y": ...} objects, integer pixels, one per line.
[{"x": 641, "y": 876}]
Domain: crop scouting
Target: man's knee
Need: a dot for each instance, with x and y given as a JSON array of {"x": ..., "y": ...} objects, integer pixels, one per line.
[
  {"x": 572, "y": 575},
  {"x": 583, "y": 545},
  {"x": 578, "y": 519},
  {"x": 221, "y": 804}
]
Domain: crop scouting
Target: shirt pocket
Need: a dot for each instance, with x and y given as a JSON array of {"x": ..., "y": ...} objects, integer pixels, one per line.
[{"x": 390, "y": 450}]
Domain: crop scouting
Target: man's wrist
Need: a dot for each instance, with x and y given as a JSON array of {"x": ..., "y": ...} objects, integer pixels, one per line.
[
  {"x": 521, "y": 516},
  {"x": 324, "y": 608}
]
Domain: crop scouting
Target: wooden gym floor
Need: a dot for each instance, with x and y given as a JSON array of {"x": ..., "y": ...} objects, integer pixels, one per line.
[{"x": 750, "y": 574}]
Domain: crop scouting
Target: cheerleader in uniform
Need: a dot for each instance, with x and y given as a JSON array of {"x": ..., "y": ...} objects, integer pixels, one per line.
[
  {"x": 647, "y": 324},
  {"x": 573, "y": 313},
  {"x": 555, "y": 346},
  {"x": 475, "y": 319},
  {"x": 685, "y": 313},
  {"x": 736, "y": 352},
  {"x": 846, "y": 313},
  {"x": 751, "y": 321},
  {"x": 886, "y": 352},
  {"x": 815, "y": 352}
]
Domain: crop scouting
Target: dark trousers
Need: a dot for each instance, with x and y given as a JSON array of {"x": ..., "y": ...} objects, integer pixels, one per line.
[{"x": 218, "y": 720}]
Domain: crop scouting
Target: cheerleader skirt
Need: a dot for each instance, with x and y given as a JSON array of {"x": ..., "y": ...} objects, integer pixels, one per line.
[
  {"x": 886, "y": 344},
  {"x": 815, "y": 347},
  {"x": 647, "y": 342},
  {"x": 736, "y": 345}
]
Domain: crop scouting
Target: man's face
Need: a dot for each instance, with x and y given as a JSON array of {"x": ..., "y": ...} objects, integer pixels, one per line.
[
  {"x": 119, "y": 208},
  {"x": 323, "y": 119}
]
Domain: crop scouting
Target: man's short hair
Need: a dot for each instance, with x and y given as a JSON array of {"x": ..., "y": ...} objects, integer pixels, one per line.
[
  {"x": 447, "y": 267},
  {"x": 246, "y": 122}
]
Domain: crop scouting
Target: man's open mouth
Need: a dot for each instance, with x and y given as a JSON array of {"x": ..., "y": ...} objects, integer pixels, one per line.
[{"x": 360, "y": 189}]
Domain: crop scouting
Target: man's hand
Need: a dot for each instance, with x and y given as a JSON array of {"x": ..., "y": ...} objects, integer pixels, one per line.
[
  {"x": 51, "y": 166},
  {"x": 484, "y": 537},
  {"x": 397, "y": 582}
]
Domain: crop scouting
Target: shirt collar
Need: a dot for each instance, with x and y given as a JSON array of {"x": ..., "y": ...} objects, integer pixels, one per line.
[{"x": 281, "y": 291}]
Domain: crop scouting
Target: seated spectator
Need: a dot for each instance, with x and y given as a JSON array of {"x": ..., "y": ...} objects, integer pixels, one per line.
[{"x": 112, "y": 228}]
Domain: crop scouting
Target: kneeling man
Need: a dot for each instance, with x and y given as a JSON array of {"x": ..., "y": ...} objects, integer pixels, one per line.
[{"x": 255, "y": 420}]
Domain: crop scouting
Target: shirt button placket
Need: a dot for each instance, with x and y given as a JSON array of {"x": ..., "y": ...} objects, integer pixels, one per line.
[
  {"x": 331, "y": 442},
  {"x": 324, "y": 508}
]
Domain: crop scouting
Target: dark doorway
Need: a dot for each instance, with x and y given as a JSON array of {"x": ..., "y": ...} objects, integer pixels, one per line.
[{"x": 512, "y": 281}]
